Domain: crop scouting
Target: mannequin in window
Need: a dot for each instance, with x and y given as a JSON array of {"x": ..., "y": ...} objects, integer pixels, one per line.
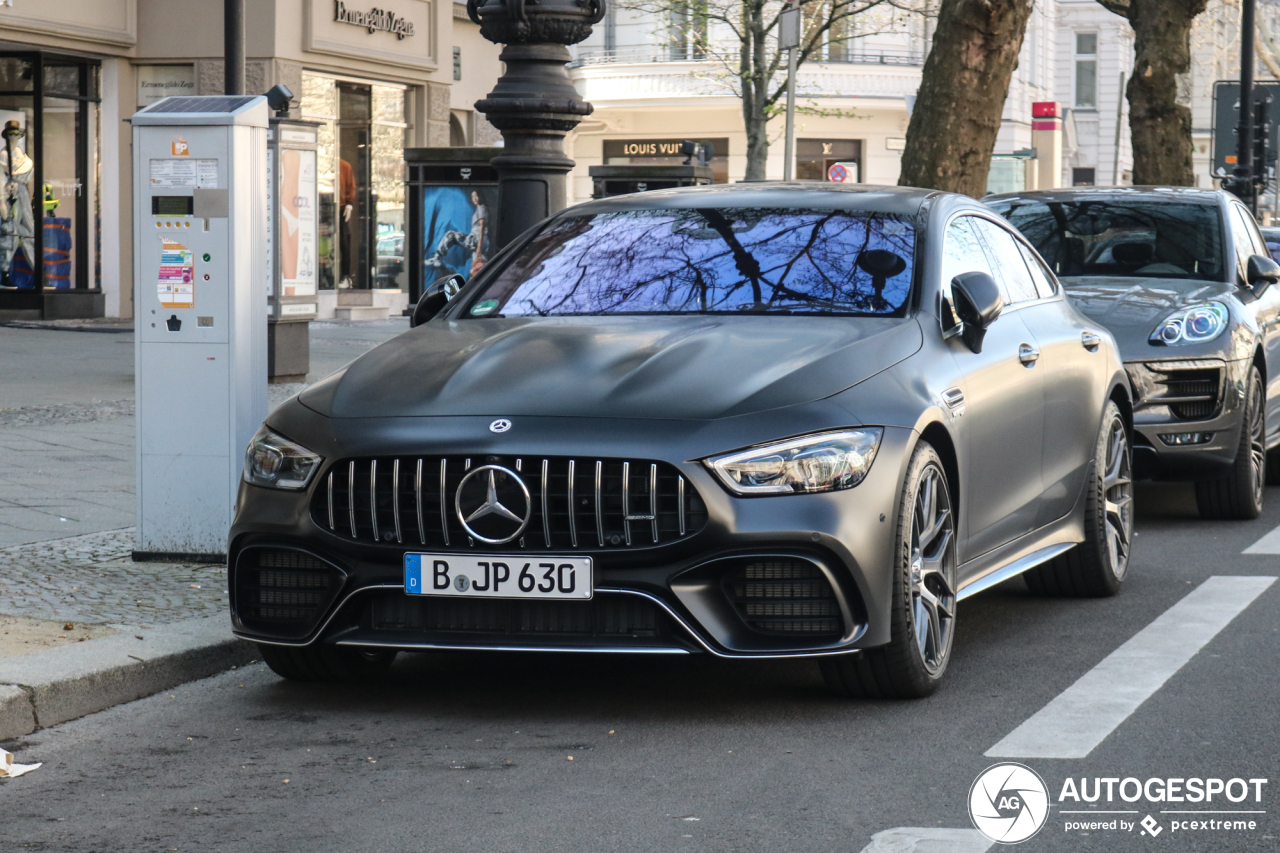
[
  {"x": 346, "y": 209},
  {"x": 17, "y": 228}
]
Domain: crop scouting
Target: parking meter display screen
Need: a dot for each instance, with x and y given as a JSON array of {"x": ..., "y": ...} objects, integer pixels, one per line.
[{"x": 171, "y": 205}]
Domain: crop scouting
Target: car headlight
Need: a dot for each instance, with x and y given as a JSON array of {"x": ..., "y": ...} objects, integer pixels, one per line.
[
  {"x": 1195, "y": 325},
  {"x": 814, "y": 463},
  {"x": 278, "y": 463}
]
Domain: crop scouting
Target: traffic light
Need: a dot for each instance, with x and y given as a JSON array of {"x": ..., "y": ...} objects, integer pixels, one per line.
[{"x": 1263, "y": 160}]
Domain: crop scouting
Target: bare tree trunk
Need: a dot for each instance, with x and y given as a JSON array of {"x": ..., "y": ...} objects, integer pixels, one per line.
[
  {"x": 1159, "y": 126},
  {"x": 755, "y": 89},
  {"x": 965, "y": 82}
]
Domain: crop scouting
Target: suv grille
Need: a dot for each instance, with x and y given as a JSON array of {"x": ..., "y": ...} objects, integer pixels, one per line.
[
  {"x": 283, "y": 593},
  {"x": 782, "y": 596},
  {"x": 576, "y": 503},
  {"x": 1191, "y": 394},
  {"x": 603, "y": 616}
]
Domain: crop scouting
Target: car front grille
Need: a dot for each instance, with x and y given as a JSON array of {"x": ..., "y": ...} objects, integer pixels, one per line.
[
  {"x": 604, "y": 616},
  {"x": 783, "y": 596},
  {"x": 283, "y": 592},
  {"x": 574, "y": 503},
  {"x": 1192, "y": 393}
]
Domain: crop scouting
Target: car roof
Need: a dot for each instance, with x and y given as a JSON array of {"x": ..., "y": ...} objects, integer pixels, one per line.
[
  {"x": 813, "y": 195},
  {"x": 1151, "y": 193}
]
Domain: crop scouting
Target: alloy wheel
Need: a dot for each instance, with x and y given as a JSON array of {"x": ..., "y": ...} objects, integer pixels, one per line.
[
  {"x": 933, "y": 570},
  {"x": 1257, "y": 443},
  {"x": 1117, "y": 489}
]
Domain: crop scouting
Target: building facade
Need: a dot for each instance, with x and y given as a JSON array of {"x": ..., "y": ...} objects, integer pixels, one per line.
[
  {"x": 655, "y": 80},
  {"x": 72, "y": 72}
]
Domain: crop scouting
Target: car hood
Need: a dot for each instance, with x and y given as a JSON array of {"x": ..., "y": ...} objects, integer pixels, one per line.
[
  {"x": 686, "y": 366},
  {"x": 1131, "y": 308}
]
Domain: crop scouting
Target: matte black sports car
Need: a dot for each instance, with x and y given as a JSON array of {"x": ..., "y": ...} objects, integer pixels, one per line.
[
  {"x": 757, "y": 421},
  {"x": 1182, "y": 278}
]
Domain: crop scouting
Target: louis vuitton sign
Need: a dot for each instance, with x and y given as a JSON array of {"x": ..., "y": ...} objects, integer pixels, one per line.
[{"x": 373, "y": 20}]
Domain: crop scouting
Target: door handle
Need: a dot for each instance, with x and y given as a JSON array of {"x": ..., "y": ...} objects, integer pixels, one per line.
[
  {"x": 1028, "y": 355},
  {"x": 1090, "y": 340}
]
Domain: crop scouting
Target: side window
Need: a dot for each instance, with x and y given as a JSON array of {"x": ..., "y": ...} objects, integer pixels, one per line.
[
  {"x": 1044, "y": 284},
  {"x": 1242, "y": 237},
  {"x": 961, "y": 253},
  {"x": 1011, "y": 270}
]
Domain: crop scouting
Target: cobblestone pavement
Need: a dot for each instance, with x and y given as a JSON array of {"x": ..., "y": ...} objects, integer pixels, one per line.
[{"x": 91, "y": 579}]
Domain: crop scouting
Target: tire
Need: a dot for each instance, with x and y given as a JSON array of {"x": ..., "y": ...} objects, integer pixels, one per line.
[
  {"x": 1238, "y": 495},
  {"x": 912, "y": 665},
  {"x": 326, "y": 663},
  {"x": 1096, "y": 567}
]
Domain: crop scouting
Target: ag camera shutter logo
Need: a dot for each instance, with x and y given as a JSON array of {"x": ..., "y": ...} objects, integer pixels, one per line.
[{"x": 1008, "y": 803}]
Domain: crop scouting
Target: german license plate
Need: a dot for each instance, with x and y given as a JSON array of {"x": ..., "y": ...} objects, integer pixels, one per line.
[{"x": 498, "y": 576}]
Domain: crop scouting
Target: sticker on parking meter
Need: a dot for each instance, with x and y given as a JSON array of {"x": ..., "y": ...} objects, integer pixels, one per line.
[{"x": 176, "y": 281}]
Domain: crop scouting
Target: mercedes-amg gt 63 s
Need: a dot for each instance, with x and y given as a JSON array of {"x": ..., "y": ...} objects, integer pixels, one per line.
[
  {"x": 760, "y": 421},
  {"x": 1183, "y": 279}
]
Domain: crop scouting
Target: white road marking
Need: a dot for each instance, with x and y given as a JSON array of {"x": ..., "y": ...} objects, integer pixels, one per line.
[
  {"x": 1082, "y": 716},
  {"x": 913, "y": 839},
  {"x": 1269, "y": 544}
]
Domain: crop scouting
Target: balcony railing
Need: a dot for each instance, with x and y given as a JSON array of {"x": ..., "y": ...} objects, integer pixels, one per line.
[{"x": 651, "y": 54}]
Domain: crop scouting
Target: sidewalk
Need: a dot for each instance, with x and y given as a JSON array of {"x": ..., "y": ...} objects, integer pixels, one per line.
[{"x": 82, "y": 626}]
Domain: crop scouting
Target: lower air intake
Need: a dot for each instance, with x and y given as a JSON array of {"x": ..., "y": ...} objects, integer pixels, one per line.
[
  {"x": 784, "y": 597},
  {"x": 283, "y": 593}
]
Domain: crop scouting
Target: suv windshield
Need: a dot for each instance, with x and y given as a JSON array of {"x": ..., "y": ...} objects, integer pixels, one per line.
[
  {"x": 1121, "y": 238},
  {"x": 710, "y": 260}
]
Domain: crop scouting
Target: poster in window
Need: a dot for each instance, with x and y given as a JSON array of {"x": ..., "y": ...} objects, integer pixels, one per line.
[
  {"x": 457, "y": 230},
  {"x": 297, "y": 234}
]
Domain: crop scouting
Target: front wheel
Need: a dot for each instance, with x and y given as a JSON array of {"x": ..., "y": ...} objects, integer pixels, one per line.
[
  {"x": 923, "y": 608},
  {"x": 1097, "y": 565},
  {"x": 1238, "y": 496}
]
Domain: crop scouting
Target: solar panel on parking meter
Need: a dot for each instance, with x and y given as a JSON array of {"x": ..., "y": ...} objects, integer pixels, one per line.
[{"x": 200, "y": 208}]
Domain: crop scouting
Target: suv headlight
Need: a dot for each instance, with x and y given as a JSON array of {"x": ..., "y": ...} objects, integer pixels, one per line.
[
  {"x": 814, "y": 463},
  {"x": 278, "y": 463},
  {"x": 1195, "y": 325}
]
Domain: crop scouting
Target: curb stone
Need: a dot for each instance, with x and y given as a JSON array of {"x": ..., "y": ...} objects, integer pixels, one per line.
[
  {"x": 52, "y": 686},
  {"x": 16, "y": 715}
]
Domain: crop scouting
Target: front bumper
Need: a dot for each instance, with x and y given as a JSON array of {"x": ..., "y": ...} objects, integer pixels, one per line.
[
  {"x": 1196, "y": 397},
  {"x": 675, "y": 597}
]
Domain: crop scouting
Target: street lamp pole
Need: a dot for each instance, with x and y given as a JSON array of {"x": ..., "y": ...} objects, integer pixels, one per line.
[
  {"x": 534, "y": 103},
  {"x": 789, "y": 40},
  {"x": 233, "y": 46}
]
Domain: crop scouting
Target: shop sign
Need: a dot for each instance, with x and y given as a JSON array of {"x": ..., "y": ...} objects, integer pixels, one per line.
[
  {"x": 657, "y": 147},
  {"x": 373, "y": 20},
  {"x": 156, "y": 82}
]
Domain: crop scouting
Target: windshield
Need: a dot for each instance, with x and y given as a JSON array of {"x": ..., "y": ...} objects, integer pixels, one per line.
[
  {"x": 1121, "y": 238},
  {"x": 711, "y": 260}
]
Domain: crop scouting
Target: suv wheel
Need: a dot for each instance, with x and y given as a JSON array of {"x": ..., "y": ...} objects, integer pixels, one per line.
[{"x": 1238, "y": 495}]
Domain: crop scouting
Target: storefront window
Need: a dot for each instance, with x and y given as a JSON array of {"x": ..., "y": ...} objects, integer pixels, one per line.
[
  {"x": 361, "y": 180},
  {"x": 49, "y": 166},
  {"x": 320, "y": 104},
  {"x": 838, "y": 160}
]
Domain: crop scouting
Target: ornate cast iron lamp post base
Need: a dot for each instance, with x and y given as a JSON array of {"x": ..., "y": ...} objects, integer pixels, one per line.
[{"x": 534, "y": 103}]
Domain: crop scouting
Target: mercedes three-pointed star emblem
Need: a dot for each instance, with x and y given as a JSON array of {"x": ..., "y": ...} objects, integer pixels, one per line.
[{"x": 471, "y": 513}]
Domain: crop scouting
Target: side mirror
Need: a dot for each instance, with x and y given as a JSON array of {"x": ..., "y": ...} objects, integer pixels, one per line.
[
  {"x": 1261, "y": 273},
  {"x": 435, "y": 297},
  {"x": 978, "y": 303}
]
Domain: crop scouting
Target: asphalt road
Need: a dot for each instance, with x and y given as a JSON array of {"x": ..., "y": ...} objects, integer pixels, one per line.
[{"x": 472, "y": 752}]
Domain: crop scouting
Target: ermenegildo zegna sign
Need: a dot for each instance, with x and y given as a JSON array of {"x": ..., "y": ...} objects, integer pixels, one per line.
[{"x": 373, "y": 20}]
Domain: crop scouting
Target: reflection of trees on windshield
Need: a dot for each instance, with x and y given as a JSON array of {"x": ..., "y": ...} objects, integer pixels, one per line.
[
  {"x": 711, "y": 260},
  {"x": 1122, "y": 238}
]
